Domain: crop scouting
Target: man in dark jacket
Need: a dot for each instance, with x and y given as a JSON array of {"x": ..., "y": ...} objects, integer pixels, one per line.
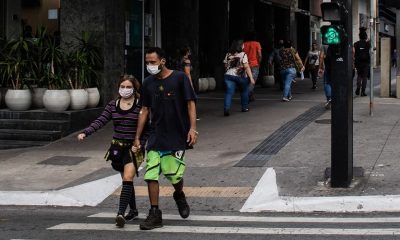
[{"x": 362, "y": 62}]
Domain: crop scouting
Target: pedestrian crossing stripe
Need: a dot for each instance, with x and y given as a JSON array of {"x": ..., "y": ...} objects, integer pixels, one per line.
[
  {"x": 232, "y": 230},
  {"x": 264, "y": 219}
]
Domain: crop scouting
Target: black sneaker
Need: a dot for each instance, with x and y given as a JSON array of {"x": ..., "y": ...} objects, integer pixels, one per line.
[
  {"x": 226, "y": 113},
  {"x": 133, "y": 214},
  {"x": 153, "y": 220},
  {"x": 328, "y": 105},
  {"x": 183, "y": 206},
  {"x": 363, "y": 94},
  {"x": 120, "y": 221},
  {"x": 357, "y": 91}
]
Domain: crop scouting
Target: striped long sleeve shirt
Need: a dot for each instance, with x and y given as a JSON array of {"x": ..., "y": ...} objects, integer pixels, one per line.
[{"x": 125, "y": 121}]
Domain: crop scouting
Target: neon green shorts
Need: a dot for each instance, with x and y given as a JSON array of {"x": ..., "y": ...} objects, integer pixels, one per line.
[{"x": 169, "y": 163}]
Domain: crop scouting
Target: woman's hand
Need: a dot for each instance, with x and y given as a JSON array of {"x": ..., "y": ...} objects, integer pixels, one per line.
[
  {"x": 136, "y": 146},
  {"x": 81, "y": 136}
]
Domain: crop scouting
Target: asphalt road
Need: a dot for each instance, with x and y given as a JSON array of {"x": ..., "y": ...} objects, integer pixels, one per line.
[{"x": 75, "y": 223}]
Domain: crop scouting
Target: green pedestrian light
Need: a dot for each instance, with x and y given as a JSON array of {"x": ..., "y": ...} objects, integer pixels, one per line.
[{"x": 332, "y": 35}]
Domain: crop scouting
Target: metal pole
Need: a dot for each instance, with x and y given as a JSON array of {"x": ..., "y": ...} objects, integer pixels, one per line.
[
  {"x": 342, "y": 106},
  {"x": 372, "y": 49}
]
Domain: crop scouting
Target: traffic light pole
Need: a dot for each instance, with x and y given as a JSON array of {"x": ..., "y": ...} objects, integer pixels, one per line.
[{"x": 342, "y": 106}]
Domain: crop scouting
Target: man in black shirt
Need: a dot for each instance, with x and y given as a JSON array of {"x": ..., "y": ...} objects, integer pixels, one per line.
[
  {"x": 362, "y": 62},
  {"x": 170, "y": 99}
]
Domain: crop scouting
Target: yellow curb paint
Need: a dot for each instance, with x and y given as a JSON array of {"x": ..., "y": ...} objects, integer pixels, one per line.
[{"x": 218, "y": 192}]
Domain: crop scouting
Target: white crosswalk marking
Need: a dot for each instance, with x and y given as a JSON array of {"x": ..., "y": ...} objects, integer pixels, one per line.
[
  {"x": 233, "y": 230},
  {"x": 264, "y": 219},
  {"x": 190, "y": 225}
]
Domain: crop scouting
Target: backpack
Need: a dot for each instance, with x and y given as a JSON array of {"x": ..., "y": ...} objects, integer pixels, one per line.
[{"x": 362, "y": 52}]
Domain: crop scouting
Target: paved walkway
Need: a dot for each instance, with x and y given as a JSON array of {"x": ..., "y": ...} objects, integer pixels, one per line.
[{"x": 59, "y": 174}]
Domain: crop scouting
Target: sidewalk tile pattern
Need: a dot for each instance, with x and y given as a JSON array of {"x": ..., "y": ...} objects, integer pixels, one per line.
[{"x": 259, "y": 156}]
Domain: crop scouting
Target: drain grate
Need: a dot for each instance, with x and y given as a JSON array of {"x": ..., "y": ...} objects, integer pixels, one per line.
[
  {"x": 63, "y": 160},
  {"x": 259, "y": 156}
]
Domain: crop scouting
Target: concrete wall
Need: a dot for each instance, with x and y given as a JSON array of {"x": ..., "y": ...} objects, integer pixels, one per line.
[{"x": 105, "y": 20}]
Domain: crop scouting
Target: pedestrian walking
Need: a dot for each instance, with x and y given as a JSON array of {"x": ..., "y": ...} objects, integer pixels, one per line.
[
  {"x": 290, "y": 64},
  {"x": 394, "y": 58},
  {"x": 312, "y": 64},
  {"x": 237, "y": 72},
  {"x": 275, "y": 59},
  {"x": 169, "y": 99},
  {"x": 124, "y": 112},
  {"x": 362, "y": 62},
  {"x": 182, "y": 62},
  {"x": 253, "y": 50},
  {"x": 325, "y": 58}
]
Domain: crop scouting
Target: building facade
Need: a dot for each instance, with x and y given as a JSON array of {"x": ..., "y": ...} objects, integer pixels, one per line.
[{"x": 126, "y": 28}]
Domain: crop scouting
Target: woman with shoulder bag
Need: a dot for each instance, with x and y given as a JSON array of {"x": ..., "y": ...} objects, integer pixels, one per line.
[
  {"x": 312, "y": 61},
  {"x": 290, "y": 63},
  {"x": 237, "y": 69},
  {"x": 124, "y": 112}
]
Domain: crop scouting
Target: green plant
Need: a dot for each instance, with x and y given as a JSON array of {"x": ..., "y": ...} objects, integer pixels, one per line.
[
  {"x": 85, "y": 62},
  {"x": 16, "y": 65},
  {"x": 57, "y": 68},
  {"x": 39, "y": 61},
  {"x": 2, "y": 58}
]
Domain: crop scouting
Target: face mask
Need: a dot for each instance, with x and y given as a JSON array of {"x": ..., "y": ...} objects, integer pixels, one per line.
[
  {"x": 153, "y": 69},
  {"x": 126, "y": 92}
]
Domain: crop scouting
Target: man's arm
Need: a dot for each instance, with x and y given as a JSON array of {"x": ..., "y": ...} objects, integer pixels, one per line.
[{"x": 192, "y": 134}]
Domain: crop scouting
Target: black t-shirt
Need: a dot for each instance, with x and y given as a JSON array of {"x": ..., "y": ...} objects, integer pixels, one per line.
[
  {"x": 167, "y": 99},
  {"x": 361, "y": 54}
]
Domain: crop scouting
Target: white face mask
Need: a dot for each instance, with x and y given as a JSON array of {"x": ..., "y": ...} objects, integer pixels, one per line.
[
  {"x": 126, "y": 92},
  {"x": 153, "y": 69}
]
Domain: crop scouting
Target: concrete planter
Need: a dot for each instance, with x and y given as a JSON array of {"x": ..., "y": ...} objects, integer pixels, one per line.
[
  {"x": 56, "y": 100},
  {"x": 203, "y": 84},
  {"x": 37, "y": 97},
  {"x": 79, "y": 99},
  {"x": 18, "y": 100},
  {"x": 94, "y": 97},
  {"x": 211, "y": 84}
]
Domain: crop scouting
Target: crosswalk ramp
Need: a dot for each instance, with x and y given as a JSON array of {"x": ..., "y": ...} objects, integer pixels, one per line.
[{"x": 249, "y": 225}]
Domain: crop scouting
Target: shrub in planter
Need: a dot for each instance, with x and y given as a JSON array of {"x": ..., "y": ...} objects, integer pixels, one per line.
[{"x": 15, "y": 69}]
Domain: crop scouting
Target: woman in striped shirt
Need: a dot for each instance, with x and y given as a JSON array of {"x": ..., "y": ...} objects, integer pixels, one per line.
[{"x": 124, "y": 112}]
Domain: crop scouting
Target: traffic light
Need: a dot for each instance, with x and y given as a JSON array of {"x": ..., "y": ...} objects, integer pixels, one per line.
[
  {"x": 333, "y": 12},
  {"x": 332, "y": 35}
]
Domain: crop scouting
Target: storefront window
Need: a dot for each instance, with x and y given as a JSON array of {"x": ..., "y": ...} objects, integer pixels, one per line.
[
  {"x": 141, "y": 33},
  {"x": 44, "y": 13}
]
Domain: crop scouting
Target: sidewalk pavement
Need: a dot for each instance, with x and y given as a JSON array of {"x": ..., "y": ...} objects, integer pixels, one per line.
[{"x": 72, "y": 173}]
